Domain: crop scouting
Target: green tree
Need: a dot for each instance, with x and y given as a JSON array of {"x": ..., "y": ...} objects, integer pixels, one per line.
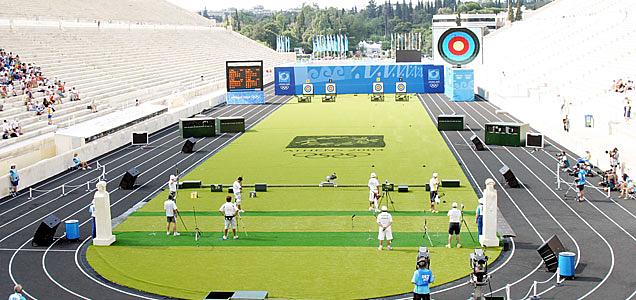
[{"x": 518, "y": 16}]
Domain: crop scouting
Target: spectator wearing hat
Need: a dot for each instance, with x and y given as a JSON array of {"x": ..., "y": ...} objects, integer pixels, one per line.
[
  {"x": 434, "y": 186},
  {"x": 455, "y": 216},
  {"x": 385, "y": 220},
  {"x": 17, "y": 293},
  {"x": 14, "y": 177}
]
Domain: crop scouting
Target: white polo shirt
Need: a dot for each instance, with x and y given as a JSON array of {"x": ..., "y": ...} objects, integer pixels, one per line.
[
  {"x": 373, "y": 184},
  {"x": 228, "y": 209},
  {"x": 170, "y": 207},
  {"x": 455, "y": 215},
  {"x": 384, "y": 219},
  {"x": 236, "y": 187},
  {"x": 172, "y": 186},
  {"x": 433, "y": 184}
]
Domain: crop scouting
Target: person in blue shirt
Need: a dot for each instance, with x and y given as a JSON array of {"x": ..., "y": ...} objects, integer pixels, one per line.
[
  {"x": 422, "y": 277},
  {"x": 17, "y": 295},
  {"x": 78, "y": 163},
  {"x": 479, "y": 213},
  {"x": 15, "y": 180},
  {"x": 580, "y": 184}
]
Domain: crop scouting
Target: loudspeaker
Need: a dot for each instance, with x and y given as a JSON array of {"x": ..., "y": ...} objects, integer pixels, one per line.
[
  {"x": 188, "y": 146},
  {"x": 128, "y": 181},
  {"x": 403, "y": 188},
  {"x": 260, "y": 187},
  {"x": 510, "y": 178},
  {"x": 190, "y": 184},
  {"x": 427, "y": 187},
  {"x": 479, "y": 146},
  {"x": 216, "y": 188},
  {"x": 549, "y": 252},
  {"x": 450, "y": 183},
  {"x": 230, "y": 190},
  {"x": 44, "y": 234}
]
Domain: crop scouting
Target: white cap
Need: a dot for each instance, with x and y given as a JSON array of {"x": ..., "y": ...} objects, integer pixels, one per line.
[
  {"x": 480, "y": 200},
  {"x": 173, "y": 177},
  {"x": 384, "y": 208},
  {"x": 454, "y": 204},
  {"x": 12, "y": 165},
  {"x": 373, "y": 175},
  {"x": 434, "y": 175}
]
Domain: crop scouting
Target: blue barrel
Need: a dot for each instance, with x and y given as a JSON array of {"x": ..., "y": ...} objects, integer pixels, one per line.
[
  {"x": 567, "y": 262},
  {"x": 72, "y": 229}
]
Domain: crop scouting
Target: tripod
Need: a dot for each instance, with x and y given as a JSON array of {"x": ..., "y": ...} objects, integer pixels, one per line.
[
  {"x": 426, "y": 234},
  {"x": 466, "y": 225},
  {"x": 388, "y": 200}
]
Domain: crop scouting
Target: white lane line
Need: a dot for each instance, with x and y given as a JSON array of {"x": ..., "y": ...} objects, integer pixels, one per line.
[{"x": 573, "y": 211}]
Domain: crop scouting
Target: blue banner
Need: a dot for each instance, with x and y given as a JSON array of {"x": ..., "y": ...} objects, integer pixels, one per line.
[
  {"x": 245, "y": 97},
  {"x": 284, "y": 81},
  {"x": 434, "y": 81}
]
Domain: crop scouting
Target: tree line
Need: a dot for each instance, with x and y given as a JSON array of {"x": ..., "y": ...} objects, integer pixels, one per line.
[{"x": 375, "y": 22}]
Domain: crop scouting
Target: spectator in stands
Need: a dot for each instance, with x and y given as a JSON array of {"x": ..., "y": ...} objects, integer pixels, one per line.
[
  {"x": 136, "y": 102},
  {"x": 626, "y": 187},
  {"x": 17, "y": 293},
  {"x": 49, "y": 113},
  {"x": 74, "y": 95},
  {"x": 15, "y": 126},
  {"x": 565, "y": 113},
  {"x": 627, "y": 108},
  {"x": 39, "y": 109},
  {"x": 609, "y": 180},
  {"x": 79, "y": 163},
  {"x": 14, "y": 178},
  {"x": 93, "y": 106}
]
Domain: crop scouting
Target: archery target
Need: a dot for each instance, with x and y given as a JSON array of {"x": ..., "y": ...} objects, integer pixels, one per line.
[
  {"x": 308, "y": 89},
  {"x": 378, "y": 87},
  {"x": 458, "y": 46},
  {"x": 330, "y": 88},
  {"x": 400, "y": 87}
]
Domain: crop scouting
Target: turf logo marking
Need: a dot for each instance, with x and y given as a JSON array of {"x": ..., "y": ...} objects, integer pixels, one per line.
[{"x": 338, "y": 141}]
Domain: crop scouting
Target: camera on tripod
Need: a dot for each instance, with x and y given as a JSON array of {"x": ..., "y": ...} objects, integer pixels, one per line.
[
  {"x": 479, "y": 265},
  {"x": 388, "y": 187}
]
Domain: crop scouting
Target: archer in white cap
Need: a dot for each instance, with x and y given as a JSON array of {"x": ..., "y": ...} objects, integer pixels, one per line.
[
  {"x": 434, "y": 186},
  {"x": 172, "y": 186},
  {"x": 374, "y": 192},
  {"x": 385, "y": 220},
  {"x": 455, "y": 217}
]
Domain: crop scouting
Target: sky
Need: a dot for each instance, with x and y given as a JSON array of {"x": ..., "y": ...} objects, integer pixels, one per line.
[{"x": 195, "y": 5}]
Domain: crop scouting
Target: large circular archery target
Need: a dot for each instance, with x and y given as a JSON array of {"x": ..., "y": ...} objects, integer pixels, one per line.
[
  {"x": 401, "y": 87},
  {"x": 458, "y": 46},
  {"x": 308, "y": 88},
  {"x": 331, "y": 88},
  {"x": 377, "y": 87}
]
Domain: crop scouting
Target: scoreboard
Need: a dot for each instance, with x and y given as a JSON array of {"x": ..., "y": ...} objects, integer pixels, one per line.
[{"x": 244, "y": 75}]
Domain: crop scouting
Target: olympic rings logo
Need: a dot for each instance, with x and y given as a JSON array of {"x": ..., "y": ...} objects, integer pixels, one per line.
[
  {"x": 434, "y": 85},
  {"x": 337, "y": 155}
]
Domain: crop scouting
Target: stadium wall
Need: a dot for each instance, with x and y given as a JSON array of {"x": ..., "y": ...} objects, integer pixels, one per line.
[{"x": 358, "y": 79}]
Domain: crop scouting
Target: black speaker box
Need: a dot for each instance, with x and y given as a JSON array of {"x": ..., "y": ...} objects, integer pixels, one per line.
[
  {"x": 510, "y": 178},
  {"x": 128, "y": 181},
  {"x": 46, "y": 231},
  {"x": 190, "y": 184},
  {"x": 188, "y": 146},
  {"x": 260, "y": 187},
  {"x": 215, "y": 188},
  {"x": 450, "y": 183},
  {"x": 549, "y": 252},
  {"x": 479, "y": 146}
]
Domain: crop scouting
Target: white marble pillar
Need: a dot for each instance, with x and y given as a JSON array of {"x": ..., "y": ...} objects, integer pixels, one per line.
[
  {"x": 103, "y": 225},
  {"x": 489, "y": 237}
]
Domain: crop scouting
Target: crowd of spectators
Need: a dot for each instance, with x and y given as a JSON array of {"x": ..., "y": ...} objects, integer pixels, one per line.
[{"x": 40, "y": 94}]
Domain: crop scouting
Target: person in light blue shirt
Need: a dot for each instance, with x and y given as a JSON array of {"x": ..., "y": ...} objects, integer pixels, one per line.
[
  {"x": 479, "y": 216},
  {"x": 78, "y": 163},
  {"x": 14, "y": 177},
  {"x": 580, "y": 184},
  {"x": 422, "y": 277},
  {"x": 17, "y": 295}
]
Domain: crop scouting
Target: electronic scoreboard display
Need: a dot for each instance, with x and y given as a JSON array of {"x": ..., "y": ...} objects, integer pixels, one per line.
[{"x": 244, "y": 75}]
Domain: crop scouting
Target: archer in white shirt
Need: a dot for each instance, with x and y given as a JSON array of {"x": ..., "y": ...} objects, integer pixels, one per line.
[
  {"x": 229, "y": 211},
  {"x": 385, "y": 220},
  {"x": 374, "y": 193},
  {"x": 237, "y": 187},
  {"x": 454, "y": 219}
]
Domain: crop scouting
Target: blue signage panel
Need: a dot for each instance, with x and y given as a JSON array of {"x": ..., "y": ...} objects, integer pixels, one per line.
[
  {"x": 245, "y": 97},
  {"x": 460, "y": 84},
  {"x": 284, "y": 81},
  {"x": 434, "y": 81}
]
